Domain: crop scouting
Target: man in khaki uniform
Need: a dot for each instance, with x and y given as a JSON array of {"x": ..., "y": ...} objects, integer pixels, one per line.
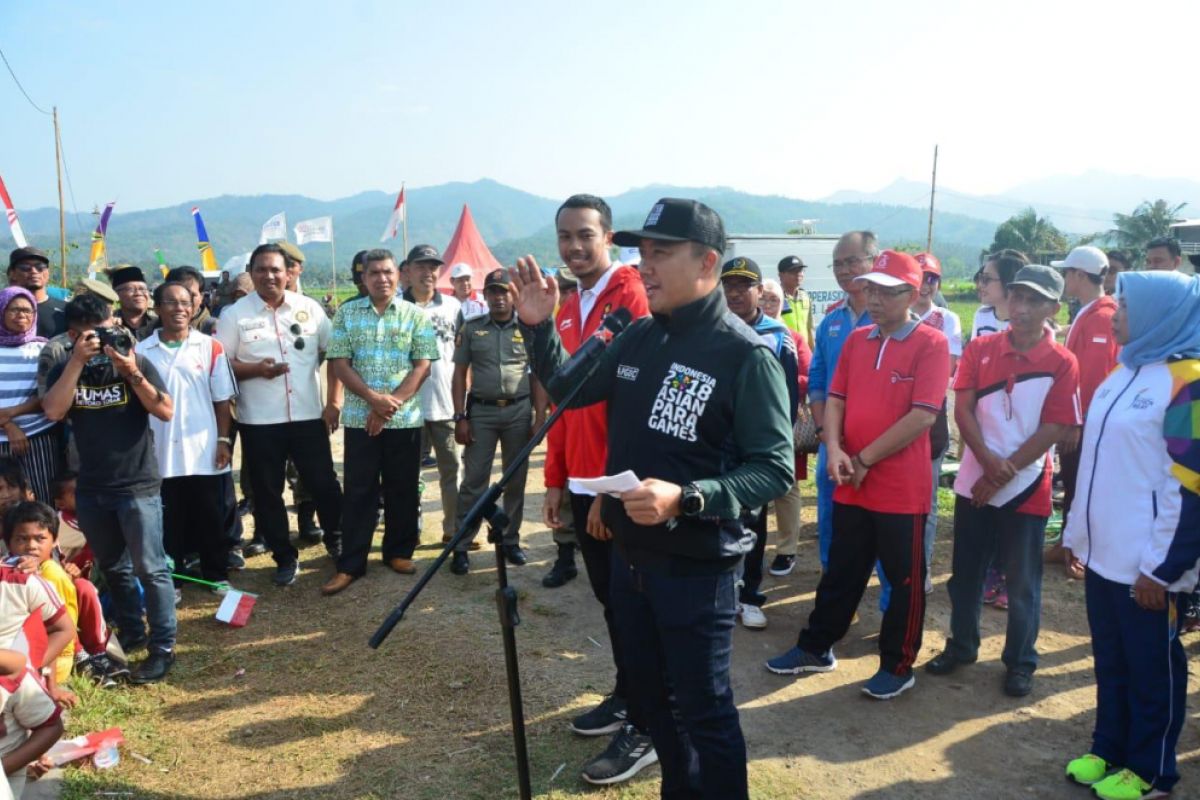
[{"x": 498, "y": 408}]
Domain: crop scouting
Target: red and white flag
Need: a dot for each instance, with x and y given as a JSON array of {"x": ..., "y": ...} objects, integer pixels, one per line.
[
  {"x": 236, "y": 607},
  {"x": 11, "y": 212},
  {"x": 397, "y": 218}
]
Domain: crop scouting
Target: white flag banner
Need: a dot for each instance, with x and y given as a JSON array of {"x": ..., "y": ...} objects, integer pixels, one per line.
[
  {"x": 237, "y": 263},
  {"x": 319, "y": 229},
  {"x": 274, "y": 229},
  {"x": 396, "y": 219}
]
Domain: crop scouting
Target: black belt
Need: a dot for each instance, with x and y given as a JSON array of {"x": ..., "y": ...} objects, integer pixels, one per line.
[{"x": 499, "y": 402}]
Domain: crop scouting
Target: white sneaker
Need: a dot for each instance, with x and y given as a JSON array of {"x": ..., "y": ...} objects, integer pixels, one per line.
[
  {"x": 928, "y": 585},
  {"x": 753, "y": 617}
]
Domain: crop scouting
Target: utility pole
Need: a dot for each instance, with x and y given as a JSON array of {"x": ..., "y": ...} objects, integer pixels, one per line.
[
  {"x": 62, "y": 213},
  {"x": 932, "y": 192}
]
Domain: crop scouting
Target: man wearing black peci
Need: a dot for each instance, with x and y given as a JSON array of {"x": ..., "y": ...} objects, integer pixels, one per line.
[{"x": 698, "y": 410}]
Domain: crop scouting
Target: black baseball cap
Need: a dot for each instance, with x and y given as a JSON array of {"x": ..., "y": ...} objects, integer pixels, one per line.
[
  {"x": 1046, "y": 281},
  {"x": 497, "y": 277},
  {"x": 741, "y": 268},
  {"x": 424, "y": 252},
  {"x": 791, "y": 264},
  {"x": 673, "y": 219},
  {"x": 23, "y": 254}
]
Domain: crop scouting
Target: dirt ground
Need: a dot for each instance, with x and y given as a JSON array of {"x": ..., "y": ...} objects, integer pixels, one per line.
[{"x": 296, "y": 705}]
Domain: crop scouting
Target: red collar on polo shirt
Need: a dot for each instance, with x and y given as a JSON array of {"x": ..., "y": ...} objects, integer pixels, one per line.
[{"x": 1039, "y": 350}]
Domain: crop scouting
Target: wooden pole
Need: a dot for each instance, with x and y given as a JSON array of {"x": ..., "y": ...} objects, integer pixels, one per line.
[
  {"x": 932, "y": 192},
  {"x": 62, "y": 213}
]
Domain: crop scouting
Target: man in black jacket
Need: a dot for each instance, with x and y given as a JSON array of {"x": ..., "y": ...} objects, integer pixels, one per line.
[{"x": 698, "y": 410}]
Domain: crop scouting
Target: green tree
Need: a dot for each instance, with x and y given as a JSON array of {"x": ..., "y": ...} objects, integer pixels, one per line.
[
  {"x": 1030, "y": 234},
  {"x": 1148, "y": 221}
]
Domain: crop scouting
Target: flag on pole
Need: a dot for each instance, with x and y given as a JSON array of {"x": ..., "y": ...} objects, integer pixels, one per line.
[
  {"x": 208, "y": 259},
  {"x": 13, "y": 223},
  {"x": 397, "y": 218},
  {"x": 236, "y": 607},
  {"x": 162, "y": 262},
  {"x": 319, "y": 229},
  {"x": 274, "y": 229},
  {"x": 99, "y": 257}
]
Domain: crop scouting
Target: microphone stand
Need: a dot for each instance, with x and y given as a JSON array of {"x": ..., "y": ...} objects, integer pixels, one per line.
[{"x": 506, "y": 597}]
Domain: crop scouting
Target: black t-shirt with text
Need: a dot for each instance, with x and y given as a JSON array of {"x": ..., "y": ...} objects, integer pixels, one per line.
[{"x": 111, "y": 427}]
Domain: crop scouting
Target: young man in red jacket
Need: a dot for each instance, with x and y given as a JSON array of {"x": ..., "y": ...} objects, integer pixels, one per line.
[
  {"x": 577, "y": 448},
  {"x": 1091, "y": 339}
]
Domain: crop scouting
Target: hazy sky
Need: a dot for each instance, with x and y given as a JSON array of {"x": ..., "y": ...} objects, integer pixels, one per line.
[{"x": 166, "y": 102}]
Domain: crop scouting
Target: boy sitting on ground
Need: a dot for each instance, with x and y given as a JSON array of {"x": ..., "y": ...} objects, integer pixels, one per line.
[{"x": 31, "y": 721}]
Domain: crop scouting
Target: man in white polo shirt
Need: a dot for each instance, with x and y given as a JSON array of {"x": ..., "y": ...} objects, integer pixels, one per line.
[
  {"x": 276, "y": 341},
  {"x": 195, "y": 446},
  {"x": 460, "y": 278}
]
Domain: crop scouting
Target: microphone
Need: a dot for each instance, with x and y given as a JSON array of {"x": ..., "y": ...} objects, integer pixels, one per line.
[{"x": 579, "y": 364}]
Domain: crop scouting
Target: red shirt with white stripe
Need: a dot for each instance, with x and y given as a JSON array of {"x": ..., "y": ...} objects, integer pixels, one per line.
[
  {"x": 1095, "y": 347},
  {"x": 1015, "y": 393},
  {"x": 881, "y": 379}
]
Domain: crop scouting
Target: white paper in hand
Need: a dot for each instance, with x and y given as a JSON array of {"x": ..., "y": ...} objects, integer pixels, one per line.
[{"x": 612, "y": 485}]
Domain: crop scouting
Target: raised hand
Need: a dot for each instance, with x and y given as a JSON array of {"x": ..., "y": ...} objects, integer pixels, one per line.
[{"x": 535, "y": 295}]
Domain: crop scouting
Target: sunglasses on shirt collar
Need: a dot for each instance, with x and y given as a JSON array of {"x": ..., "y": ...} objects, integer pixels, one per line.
[{"x": 296, "y": 331}]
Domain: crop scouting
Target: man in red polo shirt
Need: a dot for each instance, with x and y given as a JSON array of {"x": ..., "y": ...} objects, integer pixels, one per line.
[
  {"x": 1016, "y": 394},
  {"x": 1091, "y": 339},
  {"x": 577, "y": 447},
  {"x": 887, "y": 389}
]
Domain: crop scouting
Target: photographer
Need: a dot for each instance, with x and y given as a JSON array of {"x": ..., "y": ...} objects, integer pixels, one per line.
[{"x": 109, "y": 394}]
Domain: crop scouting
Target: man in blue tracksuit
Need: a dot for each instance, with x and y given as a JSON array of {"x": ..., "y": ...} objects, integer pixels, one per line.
[
  {"x": 741, "y": 281},
  {"x": 853, "y": 256}
]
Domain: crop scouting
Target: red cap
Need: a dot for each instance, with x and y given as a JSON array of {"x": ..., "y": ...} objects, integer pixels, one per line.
[
  {"x": 893, "y": 268},
  {"x": 929, "y": 263}
]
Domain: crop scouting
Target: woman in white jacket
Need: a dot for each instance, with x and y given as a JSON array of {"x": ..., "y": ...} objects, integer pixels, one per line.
[{"x": 1135, "y": 528}]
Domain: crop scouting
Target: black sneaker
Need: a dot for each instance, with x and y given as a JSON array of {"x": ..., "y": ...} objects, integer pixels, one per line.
[
  {"x": 944, "y": 663},
  {"x": 310, "y": 531},
  {"x": 606, "y": 718},
  {"x": 1017, "y": 683},
  {"x": 515, "y": 555},
  {"x": 333, "y": 545},
  {"x": 234, "y": 560},
  {"x": 105, "y": 670},
  {"x": 285, "y": 574},
  {"x": 244, "y": 507},
  {"x": 154, "y": 668},
  {"x": 559, "y": 574},
  {"x": 256, "y": 547},
  {"x": 783, "y": 565},
  {"x": 460, "y": 564},
  {"x": 627, "y": 754}
]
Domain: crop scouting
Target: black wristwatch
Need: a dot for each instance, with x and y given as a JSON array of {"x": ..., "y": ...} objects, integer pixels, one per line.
[
  {"x": 691, "y": 504},
  {"x": 460, "y": 417}
]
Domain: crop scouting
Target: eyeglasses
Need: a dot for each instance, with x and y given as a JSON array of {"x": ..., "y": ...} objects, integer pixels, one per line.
[
  {"x": 983, "y": 279},
  {"x": 889, "y": 292},
  {"x": 133, "y": 290},
  {"x": 846, "y": 263},
  {"x": 296, "y": 331},
  {"x": 932, "y": 278},
  {"x": 31, "y": 266},
  {"x": 18, "y": 311}
]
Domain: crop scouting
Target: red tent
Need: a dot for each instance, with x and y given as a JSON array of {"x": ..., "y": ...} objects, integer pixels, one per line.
[{"x": 467, "y": 247}]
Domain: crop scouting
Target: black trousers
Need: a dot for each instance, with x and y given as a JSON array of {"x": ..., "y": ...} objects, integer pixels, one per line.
[
  {"x": 194, "y": 522},
  {"x": 1069, "y": 471},
  {"x": 752, "y": 564},
  {"x": 267, "y": 449},
  {"x": 860, "y": 537},
  {"x": 389, "y": 465}
]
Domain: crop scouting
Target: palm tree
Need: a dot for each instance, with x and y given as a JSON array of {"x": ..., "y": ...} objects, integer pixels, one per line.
[
  {"x": 1148, "y": 221},
  {"x": 1030, "y": 234}
]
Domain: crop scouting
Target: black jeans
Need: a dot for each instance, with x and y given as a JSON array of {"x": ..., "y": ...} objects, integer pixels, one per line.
[
  {"x": 267, "y": 449},
  {"x": 597, "y": 560},
  {"x": 752, "y": 564},
  {"x": 395, "y": 457},
  {"x": 194, "y": 522},
  {"x": 860, "y": 537}
]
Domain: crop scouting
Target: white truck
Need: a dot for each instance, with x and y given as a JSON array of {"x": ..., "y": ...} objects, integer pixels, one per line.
[{"x": 815, "y": 250}]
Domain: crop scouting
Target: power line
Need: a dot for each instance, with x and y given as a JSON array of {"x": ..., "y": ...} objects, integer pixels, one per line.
[
  {"x": 17, "y": 81},
  {"x": 75, "y": 206}
]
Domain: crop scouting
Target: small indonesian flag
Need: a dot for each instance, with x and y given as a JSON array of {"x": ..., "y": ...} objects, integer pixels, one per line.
[
  {"x": 10, "y": 211},
  {"x": 236, "y": 607},
  {"x": 394, "y": 222},
  {"x": 65, "y": 751}
]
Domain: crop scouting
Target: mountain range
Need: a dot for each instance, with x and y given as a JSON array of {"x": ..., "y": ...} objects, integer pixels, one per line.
[{"x": 514, "y": 222}]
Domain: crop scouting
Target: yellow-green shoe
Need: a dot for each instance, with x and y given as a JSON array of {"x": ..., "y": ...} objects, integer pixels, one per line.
[
  {"x": 1125, "y": 785},
  {"x": 1087, "y": 769}
]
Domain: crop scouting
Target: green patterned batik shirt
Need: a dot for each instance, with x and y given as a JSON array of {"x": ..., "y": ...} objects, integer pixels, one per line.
[{"x": 381, "y": 349}]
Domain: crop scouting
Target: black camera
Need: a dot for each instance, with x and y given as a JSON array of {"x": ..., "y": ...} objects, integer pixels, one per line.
[{"x": 116, "y": 338}]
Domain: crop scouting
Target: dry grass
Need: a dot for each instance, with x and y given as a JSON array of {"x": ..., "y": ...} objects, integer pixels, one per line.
[{"x": 316, "y": 714}]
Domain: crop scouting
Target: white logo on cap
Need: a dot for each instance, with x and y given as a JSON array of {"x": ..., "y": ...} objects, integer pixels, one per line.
[
  {"x": 652, "y": 218},
  {"x": 881, "y": 263}
]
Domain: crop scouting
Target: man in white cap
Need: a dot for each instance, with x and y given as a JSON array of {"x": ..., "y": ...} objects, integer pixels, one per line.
[
  {"x": 460, "y": 279},
  {"x": 1091, "y": 339}
]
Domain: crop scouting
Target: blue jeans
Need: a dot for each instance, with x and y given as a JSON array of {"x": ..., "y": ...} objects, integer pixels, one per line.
[
  {"x": 825, "y": 489},
  {"x": 126, "y": 535},
  {"x": 1015, "y": 540},
  {"x": 1141, "y": 685},
  {"x": 676, "y": 635}
]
